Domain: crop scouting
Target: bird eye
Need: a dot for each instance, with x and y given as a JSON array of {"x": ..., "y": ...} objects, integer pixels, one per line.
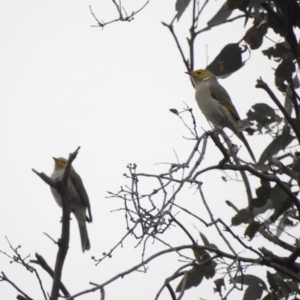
[{"x": 198, "y": 73}]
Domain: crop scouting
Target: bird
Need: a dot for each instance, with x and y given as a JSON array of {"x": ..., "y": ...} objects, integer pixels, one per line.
[
  {"x": 216, "y": 105},
  {"x": 79, "y": 200}
]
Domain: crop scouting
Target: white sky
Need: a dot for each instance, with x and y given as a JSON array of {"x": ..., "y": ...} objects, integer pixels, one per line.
[{"x": 64, "y": 84}]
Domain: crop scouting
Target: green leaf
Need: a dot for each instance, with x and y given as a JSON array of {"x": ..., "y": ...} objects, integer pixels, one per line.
[
  {"x": 255, "y": 35},
  {"x": 278, "y": 212},
  {"x": 201, "y": 255},
  {"x": 296, "y": 123},
  {"x": 243, "y": 216},
  {"x": 249, "y": 279},
  {"x": 256, "y": 286},
  {"x": 210, "y": 270},
  {"x": 278, "y": 196},
  {"x": 194, "y": 278},
  {"x": 285, "y": 69},
  {"x": 278, "y": 285},
  {"x": 256, "y": 2},
  {"x": 262, "y": 114},
  {"x": 272, "y": 281},
  {"x": 261, "y": 203},
  {"x": 227, "y": 61},
  {"x": 219, "y": 283},
  {"x": 239, "y": 4},
  {"x": 222, "y": 15},
  {"x": 204, "y": 239},
  {"x": 288, "y": 104},
  {"x": 263, "y": 192},
  {"x": 281, "y": 201},
  {"x": 181, "y": 6},
  {"x": 293, "y": 286},
  {"x": 284, "y": 222},
  {"x": 270, "y": 296},
  {"x": 260, "y": 210},
  {"x": 251, "y": 229},
  {"x": 278, "y": 51},
  {"x": 279, "y": 143},
  {"x": 253, "y": 292}
]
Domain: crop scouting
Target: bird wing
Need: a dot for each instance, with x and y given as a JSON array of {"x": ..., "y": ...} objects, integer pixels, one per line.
[
  {"x": 77, "y": 181},
  {"x": 220, "y": 94}
]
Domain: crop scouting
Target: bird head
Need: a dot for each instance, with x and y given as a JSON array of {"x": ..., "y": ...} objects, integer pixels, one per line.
[
  {"x": 200, "y": 75},
  {"x": 59, "y": 163}
]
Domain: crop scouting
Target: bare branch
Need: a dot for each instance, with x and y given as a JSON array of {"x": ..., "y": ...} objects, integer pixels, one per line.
[
  {"x": 123, "y": 16},
  {"x": 5, "y": 278}
]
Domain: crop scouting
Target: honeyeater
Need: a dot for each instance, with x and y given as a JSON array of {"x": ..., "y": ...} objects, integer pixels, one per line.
[
  {"x": 216, "y": 105},
  {"x": 78, "y": 197}
]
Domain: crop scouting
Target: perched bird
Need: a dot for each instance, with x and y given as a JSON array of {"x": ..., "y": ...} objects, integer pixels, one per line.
[
  {"x": 79, "y": 200},
  {"x": 216, "y": 105}
]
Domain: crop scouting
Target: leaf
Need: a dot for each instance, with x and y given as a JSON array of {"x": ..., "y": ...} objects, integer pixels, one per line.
[
  {"x": 256, "y": 2},
  {"x": 251, "y": 229},
  {"x": 262, "y": 209},
  {"x": 243, "y": 216},
  {"x": 239, "y": 4},
  {"x": 200, "y": 255},
  {"x": 204, "y": 239},
  {"x": 296, "y": 165},
  {"x": 272, "y": 281},
  {"x": 279, "y": 143},
  {"x": 278, "y": 196},
  {"x": 253, "y": 292},
  {"x": 280, "y": 84},
  {"x": 270, "y": 296},
  {"x": 255, "y": 35},
  {"x": 284, "y": 222},
  {"x": 181, "y": 6},
  {"x": 219, "y": 283},
  {"x": 263, "y": 194},
  {"x": 256, "y": 286},
  {"x": 278, "y": 212},
  {"x": 262, "y": 109},
  {"x": 291, "y": 12},
  {"x": 296, "y": 81},
  {"x": 281, "y": 201},
  {"x": 288, "y": 104},
  {"x": 285, "y": 69},
  {"x": 227, "y": 61},
  {"x": 262, "y": 114},
  {"x": 222, "y": 15},
  {"x": 296, "y": 123},
  {"x": 210, "y": 270},
  {"x": 194, "y": 278},
  {"x": 278, "y": 285},
  {"x": 249, "y": 279},
  {"x": 293, "y": 286},
  {"x": 280, "y": 50},
  {"x": 174, "y": 111}
]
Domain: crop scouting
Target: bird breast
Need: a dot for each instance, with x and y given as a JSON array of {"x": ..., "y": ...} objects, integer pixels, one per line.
[
  {"x": 212, "y": 109},
  {"x": 70, "y": 188}
]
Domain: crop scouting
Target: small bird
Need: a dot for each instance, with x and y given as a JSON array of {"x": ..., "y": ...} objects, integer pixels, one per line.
[
  {"x": 216, "y": 105},
  {"x": 79, "y": 200}
]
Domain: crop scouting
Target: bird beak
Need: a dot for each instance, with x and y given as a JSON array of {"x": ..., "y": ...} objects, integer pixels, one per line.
[
  {"x": 54, "y": 158},
  {"x": 189, "y": 73}
]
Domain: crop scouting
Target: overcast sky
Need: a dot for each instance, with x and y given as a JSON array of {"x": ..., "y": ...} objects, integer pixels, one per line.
[{"x": 65, "y": 84}]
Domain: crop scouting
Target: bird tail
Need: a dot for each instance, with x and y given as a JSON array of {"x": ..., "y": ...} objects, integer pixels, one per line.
[
  {"x": 85, "y": 242},
  {"x": 243, "y": 139}
]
